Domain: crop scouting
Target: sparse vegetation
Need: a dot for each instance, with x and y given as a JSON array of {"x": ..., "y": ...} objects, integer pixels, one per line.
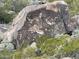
[{"x": 61, "y": 46}]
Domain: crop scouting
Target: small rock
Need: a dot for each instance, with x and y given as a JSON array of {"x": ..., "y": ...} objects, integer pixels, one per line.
[
  {"x": 33, "y": 45},
  {"x": 7, "y": 46},
  {"x": 38, "y": 52},
  {"x": 1, "y": 4},
  {"x": 2, "y": 46},
  {"x": 76, "y": 18},
  {"x": 59, "y": 35},
  {"x": 1, "y": 35},
  {"x": 77, "y": 56}
]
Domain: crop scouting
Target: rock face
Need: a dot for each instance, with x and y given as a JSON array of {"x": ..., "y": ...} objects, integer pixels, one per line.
[
  {"x": 33, "y": 2},
  {"x": 74, "y": 22},
  {"x": 74, "y": 25},
  {"x": 35, "y": 20}
]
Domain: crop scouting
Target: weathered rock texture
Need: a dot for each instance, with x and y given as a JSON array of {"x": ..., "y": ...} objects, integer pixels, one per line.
[
  {"x": 35, "y": 20},
  {"x": 74, "y": 22},
  {"x": 74, "y": 25}
]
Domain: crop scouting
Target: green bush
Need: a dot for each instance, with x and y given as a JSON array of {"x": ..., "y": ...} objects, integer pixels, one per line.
[
  {"x": 48, "y": 45},
  {"x": 5, "y": 17},
  {"x": 62, "y": 45}
]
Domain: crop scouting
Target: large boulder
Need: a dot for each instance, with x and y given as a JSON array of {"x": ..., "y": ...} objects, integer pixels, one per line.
[{"x": 35, "y": 20}]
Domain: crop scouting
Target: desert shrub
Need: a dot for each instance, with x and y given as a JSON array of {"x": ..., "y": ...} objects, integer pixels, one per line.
[
  {"x": 5, "y": 54},
  {"x": 71, "y": 48},
  {"x": 11, "y": 5},
  {"x": 73, "y": 6},
  {"x": 48, "y": 45},
  {"x": 62, "y": 45},
  {"x": 28, "y": 52}
]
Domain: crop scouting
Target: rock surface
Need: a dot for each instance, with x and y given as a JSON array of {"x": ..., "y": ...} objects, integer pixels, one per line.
[
  {"x": 74, "y": 22},
  {"x": 74, "y": 26},
  {"x": 7, "y": 46},
  {"x": 75, "y": 34},
  {"x": 35, "y": 20}
]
